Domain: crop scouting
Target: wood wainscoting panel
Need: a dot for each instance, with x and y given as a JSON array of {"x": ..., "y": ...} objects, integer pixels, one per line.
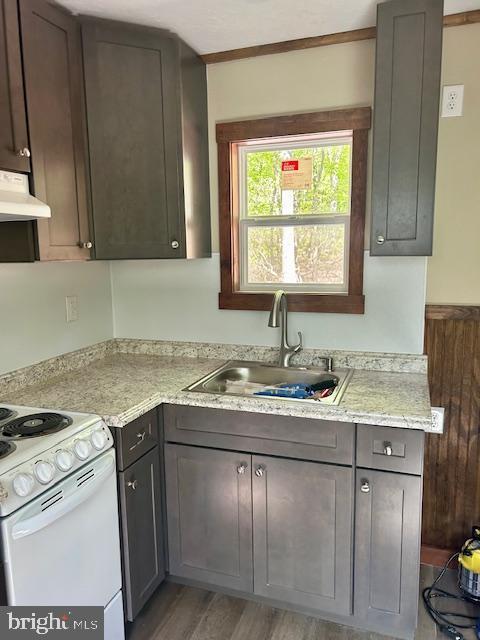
[{"x": 451, "y": 498}]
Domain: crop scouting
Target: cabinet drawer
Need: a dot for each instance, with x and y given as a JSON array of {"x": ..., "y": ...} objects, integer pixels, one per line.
[
  {"x": 390, "y": 449},
  {"x": 317, "y": 440},
  {"x": 136, "y": 438}
]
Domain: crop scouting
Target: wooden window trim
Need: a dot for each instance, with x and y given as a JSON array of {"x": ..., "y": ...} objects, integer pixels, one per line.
[{"x": 229, "y": 134}]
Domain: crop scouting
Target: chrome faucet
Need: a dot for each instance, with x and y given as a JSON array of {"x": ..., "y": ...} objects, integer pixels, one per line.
[{"x": 278, "y": 318}]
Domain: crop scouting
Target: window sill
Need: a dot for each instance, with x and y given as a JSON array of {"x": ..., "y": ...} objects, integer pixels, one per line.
[{"x": 304, "y": 302}]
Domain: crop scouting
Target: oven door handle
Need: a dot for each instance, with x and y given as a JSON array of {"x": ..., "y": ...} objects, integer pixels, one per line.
[{"x": 39, "y": 521}]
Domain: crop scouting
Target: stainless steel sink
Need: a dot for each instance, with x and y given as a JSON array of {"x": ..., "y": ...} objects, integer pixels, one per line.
[{"x": 236, "y": 376}]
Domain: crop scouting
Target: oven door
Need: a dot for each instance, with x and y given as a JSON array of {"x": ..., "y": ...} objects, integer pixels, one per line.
[{"x": 63, "y": 547}]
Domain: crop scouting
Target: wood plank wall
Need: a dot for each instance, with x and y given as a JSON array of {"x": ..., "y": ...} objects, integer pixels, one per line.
[{"x": 451, "y": 501}]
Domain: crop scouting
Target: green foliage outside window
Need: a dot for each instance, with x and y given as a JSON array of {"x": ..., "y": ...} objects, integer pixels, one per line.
[{"x": 308, "y": 254}]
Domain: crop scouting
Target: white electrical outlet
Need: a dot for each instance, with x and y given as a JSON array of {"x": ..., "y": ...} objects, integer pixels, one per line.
[
  {"x": 452, "y": 101},
  {"x": 438, "y": 418},
  {"x": 71, "y": 307}
]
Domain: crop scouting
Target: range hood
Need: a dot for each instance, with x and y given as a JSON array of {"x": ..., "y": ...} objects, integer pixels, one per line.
[{"x": 16, "y": 202}]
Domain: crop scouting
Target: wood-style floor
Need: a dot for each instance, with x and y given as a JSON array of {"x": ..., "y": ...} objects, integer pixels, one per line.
[{"x": 184, "y": 613}]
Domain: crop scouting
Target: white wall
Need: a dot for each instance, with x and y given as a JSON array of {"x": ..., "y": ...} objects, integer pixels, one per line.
[
  {"x": 178, "y": 300},
  {"x": 454, "y": 268},
  {"x": 33, "y": 326}
]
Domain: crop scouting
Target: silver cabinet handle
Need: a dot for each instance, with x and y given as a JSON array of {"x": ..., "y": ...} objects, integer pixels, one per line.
[
  {"x": 85, "y": 245},
  {"x": 380, "y": 239},
  {"x": 387, "y": 448},
  {"x": 259, "y": 471},
  {"x": 132, "y": 484},
  {"x": 242, "y": 467},
  {"x": 140, "y": 438},
  {"x": 175, "y": 244},
  {"x": 365, "y": 486},
  {"x": 24, "y": 152}
]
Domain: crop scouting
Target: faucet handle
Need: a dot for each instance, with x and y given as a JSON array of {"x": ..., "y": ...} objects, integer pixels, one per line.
[
  {"x": 299, "y": 346},
  {"x": 328, "y": 363}
]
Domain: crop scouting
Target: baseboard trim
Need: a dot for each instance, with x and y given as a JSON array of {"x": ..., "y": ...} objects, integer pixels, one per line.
[{"x": 434, "y": 556}]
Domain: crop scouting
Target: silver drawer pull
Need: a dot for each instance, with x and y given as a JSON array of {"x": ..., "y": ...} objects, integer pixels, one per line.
[
  {"x": 132, "y": 484},
  {"x": 387, "y": 448},
  {"x": 259, "y": 471},
  {"x": 365, "y": 486},
  {"x": 242, "y": 467},
  {"x": 140, "y": 438},
  {"x": 24, "y": 152},
  {"x": 380, "y": 239}
]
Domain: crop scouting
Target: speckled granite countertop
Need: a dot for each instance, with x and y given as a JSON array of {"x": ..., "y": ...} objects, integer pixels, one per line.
[{"x": 122, "y": 386}]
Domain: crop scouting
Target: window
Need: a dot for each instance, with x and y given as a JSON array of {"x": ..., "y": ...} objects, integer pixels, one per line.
[
  {"x": 295, "y": 239},
  {"x": 292, "y": 210}
]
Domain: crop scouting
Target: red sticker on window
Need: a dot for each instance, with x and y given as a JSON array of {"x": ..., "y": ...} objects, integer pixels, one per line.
[{"x": 290, "y": 165}]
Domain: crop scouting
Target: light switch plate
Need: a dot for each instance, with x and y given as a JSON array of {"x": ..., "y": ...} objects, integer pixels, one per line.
[
  {"x": 71, "y": 308},
  {"x": 438, "y": 418},
  {"x": 452, "y": 100}
]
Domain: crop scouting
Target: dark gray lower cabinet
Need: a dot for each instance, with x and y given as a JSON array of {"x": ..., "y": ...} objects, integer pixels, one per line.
[
  {"x": 387, "y": 550},
  {"x": 142, "y": 530},
  {"x": 209, "y": 516},
  {"x": 302, "y": 533},
  {"x": 331, "y": 539},
  {"x": 299, "y": 512}
]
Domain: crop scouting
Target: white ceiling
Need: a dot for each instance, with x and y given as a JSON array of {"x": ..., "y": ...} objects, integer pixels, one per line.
[{"x": 218, "y": 25}]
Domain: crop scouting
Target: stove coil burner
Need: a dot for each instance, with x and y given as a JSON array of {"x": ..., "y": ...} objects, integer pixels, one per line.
[
  {"x": 37, "y": 424},
  {"x": 5, "y": 413},
  {"x": 6, "y": 448}
]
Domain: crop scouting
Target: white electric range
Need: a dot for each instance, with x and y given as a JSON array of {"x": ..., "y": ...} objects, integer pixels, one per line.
[{"x": 59, "y": 512}]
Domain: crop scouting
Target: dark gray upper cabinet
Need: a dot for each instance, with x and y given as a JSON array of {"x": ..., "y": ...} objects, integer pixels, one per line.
[
  {"x": 209, "y": 513},
  {"x": 147, "y": 127},
  {"x": 142, "y": 530},
  {"x": 52, "y": 59},
  {"x": 14, "y": 145},
  {"x": 301, "y": 511},
  {"x": 387, "y": 550},
  {"x": 17, "y": 241},
  {"x": 407, "y": 93}
]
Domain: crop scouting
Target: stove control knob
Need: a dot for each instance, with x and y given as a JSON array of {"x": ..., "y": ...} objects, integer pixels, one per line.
[
  {"x": 98, "y": 439},
  {"x": 23, "y": 484},
  {"x": 82, "y": 449},
  {"x": 64, "y": 460},
  {"x": 44, "y": 471}
]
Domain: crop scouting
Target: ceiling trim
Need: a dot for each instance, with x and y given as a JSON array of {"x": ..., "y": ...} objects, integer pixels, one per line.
[{"x": 453, "y": 20}]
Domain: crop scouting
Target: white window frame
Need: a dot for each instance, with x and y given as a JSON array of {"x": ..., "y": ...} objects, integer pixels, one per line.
[{"x": 245, "y": 223}]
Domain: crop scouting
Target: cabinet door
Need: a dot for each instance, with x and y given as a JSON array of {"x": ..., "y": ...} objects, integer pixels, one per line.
[
  {"x": 209, "y": 513},
  {"x": 132, "y": 86},
  {"x": 387, "y": 550},
  {"x": 302, "y": 520},
  {"x": 53, "y": 83},
  {"x": 407, "y": 93},
  {"x": 13, "y": 122},
  {"x": 142, "y": 533}
]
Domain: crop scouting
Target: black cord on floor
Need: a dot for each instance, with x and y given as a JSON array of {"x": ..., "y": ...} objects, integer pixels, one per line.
[{"x": 448, "y": 621}]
